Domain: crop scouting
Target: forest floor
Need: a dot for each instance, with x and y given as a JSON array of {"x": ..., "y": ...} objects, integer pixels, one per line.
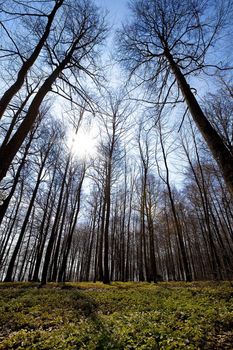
[{"x": 196, "y": 315}]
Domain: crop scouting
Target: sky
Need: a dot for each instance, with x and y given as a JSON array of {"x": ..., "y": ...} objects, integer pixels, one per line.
[{"x": 117, "y": 10}]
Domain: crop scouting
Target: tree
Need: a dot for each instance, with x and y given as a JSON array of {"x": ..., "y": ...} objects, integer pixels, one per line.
[
  {"x": 44, "y": 153},
  {"x": 165, "y": 177},
  {"x": 167, "y": 43},
  {"x": 113, "y": 118},
  {"x": 22, "y": 9},
  {"x": 219, "y": 110},
  {"x": 72, "y": 224},
  {"x": 201, "y": 174},
  {"x": 71, "y": 53},
  {"x": 146, "y": 203}
]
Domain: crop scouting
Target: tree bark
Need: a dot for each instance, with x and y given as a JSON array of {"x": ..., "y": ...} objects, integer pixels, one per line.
[{"x": 220, "y": 152}]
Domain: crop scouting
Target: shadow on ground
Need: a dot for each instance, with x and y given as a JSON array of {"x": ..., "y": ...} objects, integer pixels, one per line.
[{"x": 51, "y": 317}]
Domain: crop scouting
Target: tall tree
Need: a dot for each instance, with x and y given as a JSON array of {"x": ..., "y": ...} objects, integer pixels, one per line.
[
  {"x": 43, "y": 157},
  {"x": 21, "y": 9},
  {"x": 113, "y": 119},
  {"x": 71, "y": 53},
  {"x": 166, "y": 44}
]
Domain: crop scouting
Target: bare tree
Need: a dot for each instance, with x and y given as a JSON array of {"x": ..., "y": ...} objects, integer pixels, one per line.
[
  {"x": 166, "y": 44},
  {"x": 146, "y": 203},
  {"x": 42, "y": 163},
  {"x": 22, "y": 10},
  {"x": 165, "y": 177},
  {"x": 113, "y": 118},
  {"x": 72, "y": 53}
]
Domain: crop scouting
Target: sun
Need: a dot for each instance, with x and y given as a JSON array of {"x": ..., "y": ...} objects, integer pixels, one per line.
[{"x": 83, "y": 143}]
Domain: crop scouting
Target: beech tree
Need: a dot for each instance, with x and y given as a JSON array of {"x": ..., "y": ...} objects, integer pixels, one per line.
[
  {"x": 43, "y": 163},
  {"x": 113, "y": 117},
  {"x": 146, "y": 213},
  {"x": 165, "y": 44},
  {"x": 21, "y": 9},
  {"x": 71, "y": 52}
]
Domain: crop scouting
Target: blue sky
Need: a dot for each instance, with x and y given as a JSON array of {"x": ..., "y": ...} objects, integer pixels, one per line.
[{"x": 117, "y": 10}]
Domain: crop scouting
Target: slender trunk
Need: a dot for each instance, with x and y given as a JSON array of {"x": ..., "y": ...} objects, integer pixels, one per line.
[
  {"x": 101, "y": 243},
  {"x": 11, "y": 266},
  {"x": 59, "y": 238},
  {"x": 26, "y": 251},
  {"x": 90, "y": 248},
  {"x": 13, "y": 220},
  {"x": 43, "y": 233},
  {"x": 98, "y": 235},
  {"x": 106, "y": 277},
  {"x": 185, "y": 262},
  {"x": 153, "y": 266},
  {"x": 54, "y": 229},
  {"x": 62, "y": 272},
  {"x": 127, "y": 267}
]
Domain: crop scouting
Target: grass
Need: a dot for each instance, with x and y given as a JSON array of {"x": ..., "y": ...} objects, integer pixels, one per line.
[{"x": 120, "y": 316}]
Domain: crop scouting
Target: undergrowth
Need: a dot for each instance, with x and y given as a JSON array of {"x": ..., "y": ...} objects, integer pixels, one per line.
[{"x": 120, "y": 316}]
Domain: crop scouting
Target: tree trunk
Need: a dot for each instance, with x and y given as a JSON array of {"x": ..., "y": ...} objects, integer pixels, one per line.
[
  {"x": 62, "y": 272},
  {"x": 6, "y": 202},
  {"x": 106, "y": 278},
  {"x": 11, "y": 266},
  {"x": 14, "y": 88},
  {"x": 54, "y": 229},
  {"x": 220, "y": 152},
  {"x": 8, "y": 152}
]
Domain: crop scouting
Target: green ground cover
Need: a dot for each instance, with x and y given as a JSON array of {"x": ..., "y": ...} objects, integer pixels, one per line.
[{"x": 120, "y": 316}]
